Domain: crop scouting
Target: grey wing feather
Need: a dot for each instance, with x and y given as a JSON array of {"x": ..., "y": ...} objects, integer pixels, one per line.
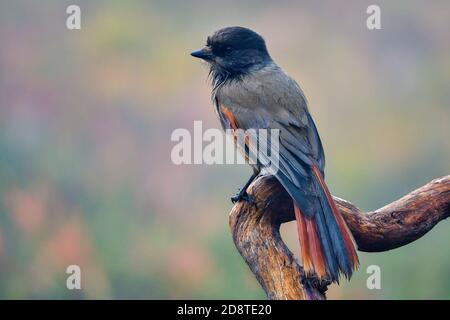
[{"x": 272, "y": 100}]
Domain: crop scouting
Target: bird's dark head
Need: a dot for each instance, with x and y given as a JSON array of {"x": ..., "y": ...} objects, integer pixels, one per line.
[{"x": 232, "y": 52}]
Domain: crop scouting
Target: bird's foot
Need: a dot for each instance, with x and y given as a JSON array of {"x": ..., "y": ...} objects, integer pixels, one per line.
[{"x": 244, "y": 196}]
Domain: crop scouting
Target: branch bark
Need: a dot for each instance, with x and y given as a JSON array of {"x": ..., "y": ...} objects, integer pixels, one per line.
[{"x": 256, "y": 232}]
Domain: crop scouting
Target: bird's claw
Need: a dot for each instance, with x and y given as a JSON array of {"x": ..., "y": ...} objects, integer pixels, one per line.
[{"x": 243, "y": 195}]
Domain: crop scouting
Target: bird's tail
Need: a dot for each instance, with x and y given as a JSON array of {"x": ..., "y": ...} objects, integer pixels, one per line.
[{"x": 327, "y": 246}]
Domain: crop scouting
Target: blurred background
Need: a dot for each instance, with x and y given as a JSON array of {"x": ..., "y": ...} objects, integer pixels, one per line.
[{"x": 86, "y": 118}]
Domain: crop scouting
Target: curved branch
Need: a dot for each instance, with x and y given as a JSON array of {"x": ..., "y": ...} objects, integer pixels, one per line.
[{"x": 256, "y": 232}]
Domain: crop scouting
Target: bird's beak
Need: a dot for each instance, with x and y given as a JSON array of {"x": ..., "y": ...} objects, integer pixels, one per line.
[{"x": 204, "y": 54}]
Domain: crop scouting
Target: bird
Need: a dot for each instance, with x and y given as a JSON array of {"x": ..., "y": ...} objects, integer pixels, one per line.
[{"x": 250, "y": 91}]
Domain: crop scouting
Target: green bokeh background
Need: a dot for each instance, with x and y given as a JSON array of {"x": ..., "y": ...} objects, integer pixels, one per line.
[{"x": 86, "y": 117}]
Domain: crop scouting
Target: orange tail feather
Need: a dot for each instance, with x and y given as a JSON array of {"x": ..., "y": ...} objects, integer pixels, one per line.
[
  {"x": 311, "y": 249},
  {"x": 316, "y": 249},
  {"x": 303, "y": 238}
]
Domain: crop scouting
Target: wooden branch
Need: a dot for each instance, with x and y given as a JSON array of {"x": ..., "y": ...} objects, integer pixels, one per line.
[{"x": 256, "y": 232}]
